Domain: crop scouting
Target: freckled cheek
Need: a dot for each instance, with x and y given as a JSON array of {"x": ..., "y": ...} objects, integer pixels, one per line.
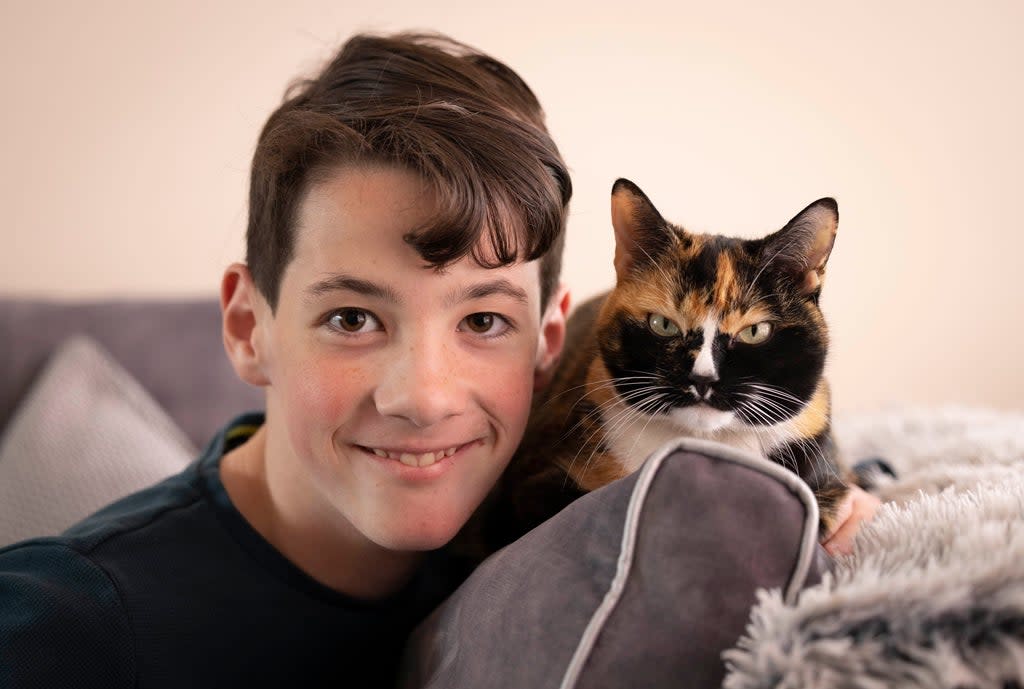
[
  {"x": 323, "y": 395},
  {"x": 509, "y": 389}
]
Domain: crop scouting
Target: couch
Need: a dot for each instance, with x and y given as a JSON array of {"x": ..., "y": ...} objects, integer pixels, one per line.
[{"x": 646, "y": 582}]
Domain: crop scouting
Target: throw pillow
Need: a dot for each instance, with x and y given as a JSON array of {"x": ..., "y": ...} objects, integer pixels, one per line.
[
  {"x": 643, "y": 583},
  {"x": 85, "y": 435}
]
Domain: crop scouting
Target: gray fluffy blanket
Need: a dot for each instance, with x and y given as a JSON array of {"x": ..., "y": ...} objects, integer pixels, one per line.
[{"x": 933, "y": 595}]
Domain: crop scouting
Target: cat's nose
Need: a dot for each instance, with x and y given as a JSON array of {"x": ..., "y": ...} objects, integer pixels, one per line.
[
  {"x": 702, "y": 384},
  {"x": 704, "y": 379}
]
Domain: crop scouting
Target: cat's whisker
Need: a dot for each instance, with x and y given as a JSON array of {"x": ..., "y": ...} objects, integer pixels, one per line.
[
  {"x": 774, "y": 389},
  {"x": 795, "y": 402},
  {"x": 653, "y": 391},
  {"x": 595, "y": 386},
  {"x": 752, "y": 409},
  {"x": 597, "y": 407},
  {"x": 600, "y": 409},
  {"x": 765, "y": 406},
  {"x": 612, "y": 383},
  {"x": 762, "y": 416},
  {"x": 596, "y": 411},
  {"x": 832, "y": 470},
  {"x": 614, "y": 423},
  {"x": 764, "y": 431},
  {"x": 820, "y": 463},
  {"x": 650, "y": 417},
  {"x": 759, "y": 385},
  {"x": 777, "y": 440},
  {"x": 610, "y": 429},
  {"x": 821, "y": 469},
  {"x": 785, "y": 441},
  {"x": 787, "y": 405},
  {"x": 780, "y": 413},
  {"x": 780, "y": 440},
  {"x": 764, "y": 267},
  {"x": 776, "y": 392},
  {"x": 668, "y": 280},
  {"x": 623, "y": 424},
  {"x": 761, "y": 298},
  {"x": 621, "y": 421},
  {"x": 768, "y": 437},
  {"x": 640, "y": 392},
  {"x": 788, "y": 450},
  {"x": 636, "y": 393}
]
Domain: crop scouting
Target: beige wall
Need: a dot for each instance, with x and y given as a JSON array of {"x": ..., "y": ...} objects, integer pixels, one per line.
[{"x": 127, "y": 130}]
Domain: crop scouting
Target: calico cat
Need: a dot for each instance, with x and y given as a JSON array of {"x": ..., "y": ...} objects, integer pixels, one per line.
[{"x": 703, "y": 336}]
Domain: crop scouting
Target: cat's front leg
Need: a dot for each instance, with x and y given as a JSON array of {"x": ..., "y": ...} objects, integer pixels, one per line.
[
  {"x": 832, "y": 498},
  {"x": 815, "y": 460},
  {"x": 852, "y": 512}
]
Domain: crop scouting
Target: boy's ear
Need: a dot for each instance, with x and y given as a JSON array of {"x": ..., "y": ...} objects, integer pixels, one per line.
[
  {"x": 552, "y": 337},
  {"x": 242, "y": 307}
]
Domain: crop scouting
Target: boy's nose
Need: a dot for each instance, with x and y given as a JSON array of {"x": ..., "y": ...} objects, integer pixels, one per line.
[{"x": 421, "y": 385}]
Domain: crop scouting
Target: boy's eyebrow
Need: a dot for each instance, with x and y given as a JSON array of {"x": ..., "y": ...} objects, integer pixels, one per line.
[
  {"x": 341, "y": 281},
  {"x": 486, "y": 289}
]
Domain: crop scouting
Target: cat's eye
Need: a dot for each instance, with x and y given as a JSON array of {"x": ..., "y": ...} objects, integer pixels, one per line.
[
  {"x": 755, "y": 334},
  {"x": 662, "y": 326}
]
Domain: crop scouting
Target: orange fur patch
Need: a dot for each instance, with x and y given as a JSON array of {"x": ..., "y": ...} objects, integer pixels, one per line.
[
  {"x": 814, "y": 418},
  {"x": 738, "y": 319},
  {"x": 727, "y": 289},
  {"x": 639, "y": 299}
]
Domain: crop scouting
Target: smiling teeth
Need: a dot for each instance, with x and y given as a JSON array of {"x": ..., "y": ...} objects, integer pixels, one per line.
[{"x": 411, "y": 460}]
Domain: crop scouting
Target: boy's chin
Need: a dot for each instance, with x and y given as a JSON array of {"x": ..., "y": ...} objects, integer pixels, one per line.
[{"x": 418, "y": 537}]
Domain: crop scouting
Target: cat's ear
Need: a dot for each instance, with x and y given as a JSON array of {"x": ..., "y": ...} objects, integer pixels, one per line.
[
  {"x": 802, "y": 247},
  {"x": 641, "y": 234}
]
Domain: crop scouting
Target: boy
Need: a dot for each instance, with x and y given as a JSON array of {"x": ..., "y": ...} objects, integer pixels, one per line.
[{"x": 398, "y": 305}]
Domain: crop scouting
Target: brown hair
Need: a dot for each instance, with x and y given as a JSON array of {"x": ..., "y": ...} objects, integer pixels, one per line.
[{"x": 465, "y": 122}]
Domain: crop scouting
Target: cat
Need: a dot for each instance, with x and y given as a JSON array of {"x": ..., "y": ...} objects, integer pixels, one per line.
[{"x": 703, "y": 336}]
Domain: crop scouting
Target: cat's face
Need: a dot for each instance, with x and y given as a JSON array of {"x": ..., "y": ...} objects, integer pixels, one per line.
[{"x": 715, "y": 332}]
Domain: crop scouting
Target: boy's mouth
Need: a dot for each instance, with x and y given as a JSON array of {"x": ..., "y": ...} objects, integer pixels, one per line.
[{"x": 414, "y": 459}]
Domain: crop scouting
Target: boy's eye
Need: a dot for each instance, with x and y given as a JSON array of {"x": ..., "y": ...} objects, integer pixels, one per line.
[
  {"x": 353, "y": 321},
  {"x": 485, "y": 323}
]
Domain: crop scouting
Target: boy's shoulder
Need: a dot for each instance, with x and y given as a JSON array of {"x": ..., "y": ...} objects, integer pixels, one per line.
[
  {"x": 142, "y": 523},
  {"x": 99, "y": 537},
  {"x": 63, "y": 620},
  {"x": 66, "y": 599}
]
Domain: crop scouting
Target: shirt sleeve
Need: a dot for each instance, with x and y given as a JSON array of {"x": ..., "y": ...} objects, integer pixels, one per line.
[{"x": 62, "y": 622}]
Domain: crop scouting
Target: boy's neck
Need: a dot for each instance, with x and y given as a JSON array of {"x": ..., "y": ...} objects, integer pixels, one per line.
[{"x": 265, "y": 491}]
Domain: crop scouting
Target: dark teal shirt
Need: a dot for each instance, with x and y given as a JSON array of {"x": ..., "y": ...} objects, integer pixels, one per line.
[{"x": 171, "y": 587}]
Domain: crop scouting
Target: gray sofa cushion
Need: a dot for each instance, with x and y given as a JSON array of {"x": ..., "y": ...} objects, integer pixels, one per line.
[
  {"x": 643, "y": 583},
  {"x": 86, "y": 435},
  {"x": 173, "y": 348}
]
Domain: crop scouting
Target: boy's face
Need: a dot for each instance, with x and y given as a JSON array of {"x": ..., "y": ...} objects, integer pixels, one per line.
[{"x": 396, "y": 393}]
